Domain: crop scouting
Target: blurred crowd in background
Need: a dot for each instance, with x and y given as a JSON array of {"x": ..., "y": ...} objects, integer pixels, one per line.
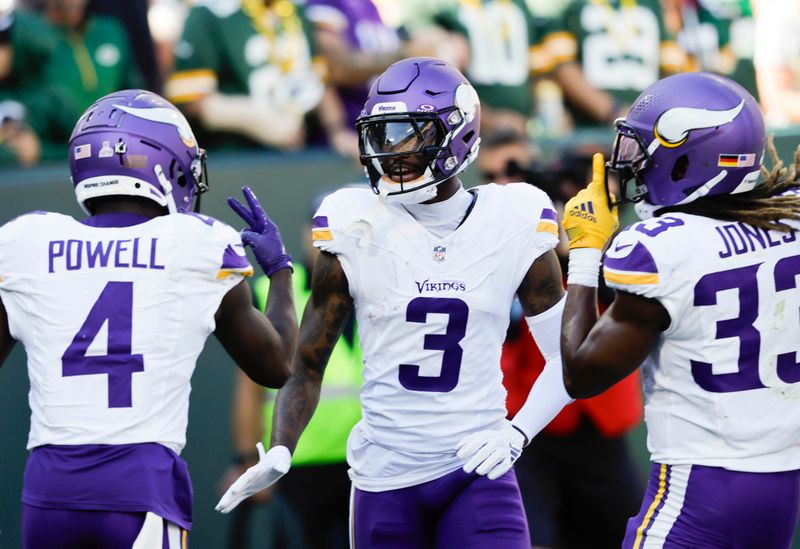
[
  {"x": 281, "y": 75},
  {"x": 285, "y": 75}
]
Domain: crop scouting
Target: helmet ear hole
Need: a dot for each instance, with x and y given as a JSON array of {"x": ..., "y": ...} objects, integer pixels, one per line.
[
  {"x": 680, "y": 168},
  {"x": 181, "y": 178}
]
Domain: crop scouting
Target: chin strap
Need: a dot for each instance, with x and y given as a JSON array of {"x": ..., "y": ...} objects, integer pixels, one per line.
[{"x": 167, "y": 186}]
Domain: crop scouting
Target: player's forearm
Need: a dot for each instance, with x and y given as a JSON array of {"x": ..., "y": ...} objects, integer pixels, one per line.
[
  {"x": 281, "y": 311},
  {"x": 580, "y": 315},
  {"x": 243, "y": 114},
  {"x": 294, "y": 406},
  {"x": 548, "y": 396},
  {"x": 579, "y": 92},
  {"x": 350, "y": 67}
]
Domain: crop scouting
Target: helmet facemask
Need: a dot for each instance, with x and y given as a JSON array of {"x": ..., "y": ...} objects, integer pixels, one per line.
[
  {"x": 401, "y": 151},
  {"x": 419, "y": 128},
  {"x": 629, "y": 158}
]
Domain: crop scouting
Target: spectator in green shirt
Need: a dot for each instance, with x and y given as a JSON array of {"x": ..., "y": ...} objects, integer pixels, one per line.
[
  {"x": 249, "y": 72},
  {"x": 92, "y": 57},
  {"x": 718, "y": 36},
  {"x": 504, "y": 53},
  {"x": 28, "y": 108},
  {"x": 605, "y": 52}
]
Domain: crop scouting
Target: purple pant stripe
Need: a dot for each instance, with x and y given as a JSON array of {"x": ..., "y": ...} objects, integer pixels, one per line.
[{"x": 714, "y": 508}]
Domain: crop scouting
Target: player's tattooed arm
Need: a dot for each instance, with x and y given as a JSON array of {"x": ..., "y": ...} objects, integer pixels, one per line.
[
  {"x": 6, "y": 341},
  {"x": 542, "y": 286},
  {"x": 324, "y": 318}
]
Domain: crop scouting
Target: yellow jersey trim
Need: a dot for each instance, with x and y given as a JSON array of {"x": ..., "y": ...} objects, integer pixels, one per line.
[
  {"x": 630, "y": 278},
  {"x": 547, "y": 227},
  {"x": 227, "y": 272},
  {"x": 321, "y": 234}
]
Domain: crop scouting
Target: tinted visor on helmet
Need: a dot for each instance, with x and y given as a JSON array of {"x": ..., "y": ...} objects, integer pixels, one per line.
[
  {"x": 403, "y": 145},
  {"x": 403, "y": 136},
  {"x": 629, "y": 158}
]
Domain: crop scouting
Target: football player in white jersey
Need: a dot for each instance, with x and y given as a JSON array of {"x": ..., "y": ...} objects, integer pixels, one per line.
[
  {"x": 113, "y": 311},
  {"x": 430, "y": 271},
  {"x": 707, "y": 304}
]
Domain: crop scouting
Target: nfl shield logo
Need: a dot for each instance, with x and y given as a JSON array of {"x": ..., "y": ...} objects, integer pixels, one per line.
[{"x": 439, "y": 253}]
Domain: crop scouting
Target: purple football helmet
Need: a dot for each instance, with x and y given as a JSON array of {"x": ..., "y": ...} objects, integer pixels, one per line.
[
  {"x": 136, "y": 143},
  {"x": 688, "y": 136},
  {"x": 420, "y": 110}
]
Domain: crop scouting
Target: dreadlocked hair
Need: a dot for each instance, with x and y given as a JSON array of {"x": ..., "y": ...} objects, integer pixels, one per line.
[{"x": 764, "y": 206}]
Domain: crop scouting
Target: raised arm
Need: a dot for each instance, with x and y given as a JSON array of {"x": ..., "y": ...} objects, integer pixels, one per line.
[
  {"x": 259, "y": 342},
  {"x": 598, "y": 353},
  {"x": 262, "y": 346},
  {"x": 323, "y": 320}
]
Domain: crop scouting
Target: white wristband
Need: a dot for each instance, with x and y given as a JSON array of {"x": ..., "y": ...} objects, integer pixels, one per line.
[{"x": 584, "y": 267}]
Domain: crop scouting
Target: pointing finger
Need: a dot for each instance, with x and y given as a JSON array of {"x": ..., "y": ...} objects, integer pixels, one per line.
[{"x": 599, "y": 183}]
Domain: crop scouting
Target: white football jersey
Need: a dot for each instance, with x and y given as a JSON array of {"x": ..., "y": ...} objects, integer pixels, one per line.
[
  {"x": 721, "y": 384},
  {"x": 113, "y": 320},
  {"x": 432, "y": 315}
]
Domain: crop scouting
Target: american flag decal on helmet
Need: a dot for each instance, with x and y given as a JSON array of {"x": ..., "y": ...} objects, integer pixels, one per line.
[{"x": 736, "y": 160}]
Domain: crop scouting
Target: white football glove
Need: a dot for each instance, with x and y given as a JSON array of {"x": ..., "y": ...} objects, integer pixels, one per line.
[
  {"x": 271, "y": 466},
  {"x": 491, "y": 453}
]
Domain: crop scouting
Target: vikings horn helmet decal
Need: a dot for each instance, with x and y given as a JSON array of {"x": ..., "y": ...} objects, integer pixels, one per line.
[
  {"x": 682, "y": 139},
  {"x": 136, "y": 143},
  {"x": 673, "y": 127}
]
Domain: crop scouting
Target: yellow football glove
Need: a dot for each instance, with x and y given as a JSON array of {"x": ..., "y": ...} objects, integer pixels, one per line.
[{"x": 587, "y": 218}]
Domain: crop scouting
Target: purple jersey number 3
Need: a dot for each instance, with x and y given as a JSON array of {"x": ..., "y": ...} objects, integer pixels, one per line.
[
  {"x": 115, "y": 305},
  {"x": 448, "y": 342}
]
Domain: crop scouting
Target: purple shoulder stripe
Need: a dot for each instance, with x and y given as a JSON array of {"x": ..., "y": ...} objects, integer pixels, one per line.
[
  {"x": 320, "y": 222},
  {"x": 638, "y": 259},
  {"x": 547, "y": 213},
  {"x": 233, "y": 260}
]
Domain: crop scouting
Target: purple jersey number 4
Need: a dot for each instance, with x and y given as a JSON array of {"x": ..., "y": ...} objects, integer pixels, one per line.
[{"x": 114, "y": 305}]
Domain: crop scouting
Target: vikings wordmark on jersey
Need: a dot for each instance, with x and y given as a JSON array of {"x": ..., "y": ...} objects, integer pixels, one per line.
[{"x": 431, "y": 327}]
